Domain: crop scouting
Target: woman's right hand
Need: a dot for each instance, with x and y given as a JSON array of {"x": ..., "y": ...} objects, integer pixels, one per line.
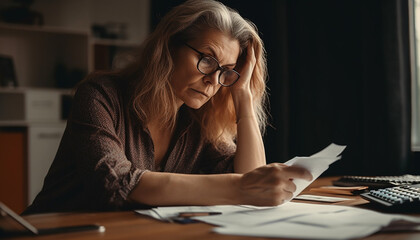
[{"x": 271, "y": 184}]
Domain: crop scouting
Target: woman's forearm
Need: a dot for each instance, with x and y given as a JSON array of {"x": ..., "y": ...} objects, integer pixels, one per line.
[
  {"x": 269, "y": 185},
  {"x": 250, "y": 152},
  {"x": 160, "y": 189}
]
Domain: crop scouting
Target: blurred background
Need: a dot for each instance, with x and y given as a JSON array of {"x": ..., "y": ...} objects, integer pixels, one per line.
[{"x": 339, "y": 71}]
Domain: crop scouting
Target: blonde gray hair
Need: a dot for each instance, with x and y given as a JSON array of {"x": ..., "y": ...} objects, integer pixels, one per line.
[{"x": 154, "y": 98}]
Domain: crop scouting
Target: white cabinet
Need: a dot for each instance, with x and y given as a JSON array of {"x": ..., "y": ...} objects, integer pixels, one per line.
[{"x": 43, "y": 142}]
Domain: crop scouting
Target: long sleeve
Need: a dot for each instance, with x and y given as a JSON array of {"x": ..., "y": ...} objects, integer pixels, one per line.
[
  {"x": 91, "y": 170},
  {"x": 96, "y": 144}
]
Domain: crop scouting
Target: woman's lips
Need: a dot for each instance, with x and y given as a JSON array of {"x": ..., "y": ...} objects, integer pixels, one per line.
[{"x": 202, "y": 93}]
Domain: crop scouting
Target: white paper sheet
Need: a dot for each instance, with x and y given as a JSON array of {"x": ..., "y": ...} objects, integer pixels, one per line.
[
  {"x": 332, "y": 150},
  {"x": 305, "y": 213},
  {"x": 309, "y": 221},
  {"x": 295, "y": 230},
  {"x": 315, "y": 164},
  {"x": 283, "y": 212},
  {"x": 166, "y": 213},
  {"x": 251, "y": 218},
  {"x": 346, "y": 216},
  {"x": 309, "y": 197}
]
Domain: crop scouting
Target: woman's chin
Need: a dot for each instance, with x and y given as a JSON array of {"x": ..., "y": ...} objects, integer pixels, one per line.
[{"x": 195, "y": 104}]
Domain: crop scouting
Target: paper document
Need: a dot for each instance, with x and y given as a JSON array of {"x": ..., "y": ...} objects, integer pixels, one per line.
[
  {"x": 299, "y": 231},
  {"x": 315, "y": 164},
  {"x": 339, "y": 190},
  {"x": 294, "y": 220},
  {"x": 332, "y": 150},
  {"x": 310, "y": 221},
  {"x": 320, "y": 198}
]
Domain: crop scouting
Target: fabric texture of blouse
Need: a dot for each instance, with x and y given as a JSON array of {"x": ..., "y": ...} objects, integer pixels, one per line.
[{"x": 105, "y": 150}]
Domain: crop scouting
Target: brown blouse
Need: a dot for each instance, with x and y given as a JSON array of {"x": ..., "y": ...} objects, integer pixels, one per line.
[{"x": 105, "y": 150}]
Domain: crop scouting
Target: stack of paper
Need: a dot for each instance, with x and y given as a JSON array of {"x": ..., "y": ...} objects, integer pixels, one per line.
[
  {"x": 293, "y": 220},
  {"x": 309, "y": 221}
]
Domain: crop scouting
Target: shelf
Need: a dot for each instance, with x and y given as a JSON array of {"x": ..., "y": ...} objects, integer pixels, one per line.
[
  {"x": 26, "y": 89},
  {"x": 22, "y": 123},
  {"x": 45, "y": 56},
  {"x": 41, "y": 29},
  {"x": 60, "y": 30},
  {"x": 115, "y": 42}
]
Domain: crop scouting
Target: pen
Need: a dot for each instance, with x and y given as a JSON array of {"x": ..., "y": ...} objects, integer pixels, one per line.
[
  {"x": 72, "y": 229},
  {"x": 197, "y": 214},
  {"x": 186, "y": 217}
]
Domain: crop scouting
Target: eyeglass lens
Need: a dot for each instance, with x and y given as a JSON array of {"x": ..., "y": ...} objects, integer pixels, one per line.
[{"x": 208, "y": 65}]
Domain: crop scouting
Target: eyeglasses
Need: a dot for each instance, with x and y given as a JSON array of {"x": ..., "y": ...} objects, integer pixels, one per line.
[{"x": 208, "y": 65}]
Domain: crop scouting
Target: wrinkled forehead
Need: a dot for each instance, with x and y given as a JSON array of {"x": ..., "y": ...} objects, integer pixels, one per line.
[{"x": 218, "y": 44}]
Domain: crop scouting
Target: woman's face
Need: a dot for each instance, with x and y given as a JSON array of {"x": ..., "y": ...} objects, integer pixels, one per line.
[{"x": 190, "y": 85}]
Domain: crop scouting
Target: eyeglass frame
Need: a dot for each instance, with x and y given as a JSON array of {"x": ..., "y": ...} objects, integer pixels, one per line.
[{"x": 222, "y": 70}]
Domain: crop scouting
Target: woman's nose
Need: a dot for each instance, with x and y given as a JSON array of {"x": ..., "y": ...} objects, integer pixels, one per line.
[{"x": 212, "y": 79}]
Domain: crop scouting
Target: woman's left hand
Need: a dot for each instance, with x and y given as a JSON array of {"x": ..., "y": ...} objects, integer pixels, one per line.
[
  {"x": 250, "y": 152},
  {"x": 246, "y": 68}
]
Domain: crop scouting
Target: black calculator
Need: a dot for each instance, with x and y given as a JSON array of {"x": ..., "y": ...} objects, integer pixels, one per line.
[{"x": 399, "y": 198}]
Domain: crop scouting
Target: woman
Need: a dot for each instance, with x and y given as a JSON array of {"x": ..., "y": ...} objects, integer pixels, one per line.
[{"x": 180, "y": 126}]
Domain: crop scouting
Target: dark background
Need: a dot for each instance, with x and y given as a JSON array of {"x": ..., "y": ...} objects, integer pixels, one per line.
[{"x": 339, "y": 72}]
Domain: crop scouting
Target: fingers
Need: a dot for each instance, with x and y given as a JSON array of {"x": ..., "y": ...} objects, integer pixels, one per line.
[
  {"x": 292, "y": 172},
  {"x": 287, "y": 196},
  {"x": 250, "y": 59},
  {"x": 284, "y": 194},
  {"x": 251, "y": 54},
  {"x": 298, "y": 172},
  {"x": 247, "y": 64},
  {"x": 272, "y": 184},
  {"x": 289, "y": 186}
]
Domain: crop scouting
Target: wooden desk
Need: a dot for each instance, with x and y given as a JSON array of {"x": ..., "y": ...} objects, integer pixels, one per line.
[{"x": 129, "y": 225}]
